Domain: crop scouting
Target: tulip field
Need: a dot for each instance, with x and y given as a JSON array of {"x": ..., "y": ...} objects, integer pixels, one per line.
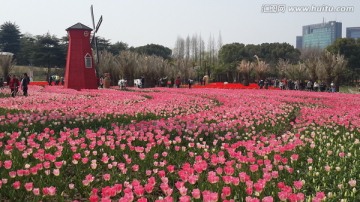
[{"x": 179, "y": 144}]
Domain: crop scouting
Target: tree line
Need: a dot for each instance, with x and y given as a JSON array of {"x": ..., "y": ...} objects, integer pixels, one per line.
[{"x": 192, "y": 57}]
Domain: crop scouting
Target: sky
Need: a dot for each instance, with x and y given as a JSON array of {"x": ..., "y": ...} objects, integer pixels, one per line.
[{"x": 141, "y": 22}]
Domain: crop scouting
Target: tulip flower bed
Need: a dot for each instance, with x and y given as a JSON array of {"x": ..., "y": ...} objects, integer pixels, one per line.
[
  {"x": 233, "y": 86},
  {"x": 166, "y": 144}
]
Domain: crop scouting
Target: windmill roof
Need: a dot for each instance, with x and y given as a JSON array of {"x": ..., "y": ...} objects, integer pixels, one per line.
[{"x": 79, "y": 26}]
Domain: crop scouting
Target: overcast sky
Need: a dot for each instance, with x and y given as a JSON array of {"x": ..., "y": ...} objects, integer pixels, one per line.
[{"x": 141, "y": 22}]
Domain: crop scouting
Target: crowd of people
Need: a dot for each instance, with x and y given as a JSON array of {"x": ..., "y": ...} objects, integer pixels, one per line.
[
  {"x": 15, "y": 84},
  {"x": 56, "y": 80},
  {"x": 288, "y": 84},
  {"x": 165, "y": 82}
]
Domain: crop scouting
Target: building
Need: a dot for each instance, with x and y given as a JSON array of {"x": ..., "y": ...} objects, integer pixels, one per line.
[
  {"x": 353, "y": 32},
  {"x": 321, "y": 35},
  {"x": 299, "y": 42}
]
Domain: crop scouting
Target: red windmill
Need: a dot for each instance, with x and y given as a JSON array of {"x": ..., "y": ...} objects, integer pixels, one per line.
[{"x": 80, "y": 70}]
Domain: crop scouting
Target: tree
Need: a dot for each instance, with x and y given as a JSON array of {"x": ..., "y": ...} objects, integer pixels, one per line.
[
  {"x": 350, "y": 48},
  {"x": 179, "y": 49},
  {"x": 48, "y": 52},
  {"x": 194, "y": 49},
  {"x": 187, "y": 48},
  {"x": 118, "y": 47},
  {"x": 131, "y": 65},
  {"x": 292, "y": 71},
  {"x": 261, "y": 68},
  {"x": 6, "y": 63},
  {"x": 154, "y": 49},
  {"x": 24, "y": 56},
  {"x": 310, "y": 58},
  {"x": 103, "y": 44},
  {"x": 10, "y": 38},
  {"x": 245, "y": 68},
  {"x": 331, "y": 68},
  {"x": 229, "y": 56}
]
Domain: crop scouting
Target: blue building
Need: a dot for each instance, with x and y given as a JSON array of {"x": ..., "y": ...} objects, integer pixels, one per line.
[
  {"x": 353, "y": 32},
  {"x": 321, "y": 35},
  {"x": 299, "y": 42}
]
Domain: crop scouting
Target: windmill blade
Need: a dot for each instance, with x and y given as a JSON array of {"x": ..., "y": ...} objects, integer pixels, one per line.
[
  {"x": 98, "y": 24},
  {"x": 92, "y": 40},
  {"x": 97, "y": 52},
  {"x": 92, "y": 16},
  {"x": 93, "y": 22}
]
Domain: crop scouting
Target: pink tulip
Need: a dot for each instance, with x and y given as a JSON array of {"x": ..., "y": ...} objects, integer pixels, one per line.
[
  {"x": 298, "y": 184},
  {"x": 212, "y": 178},
  {"x": 184, "y": 199},
  {"x": 36, "y": 191},
  {"x": 139, "y": 190},
  {"x": 320, "y": 195},
  {"x": 254, "y": 167},
  {"x": 226, "y": 191},
  {"x": 267, "y": 199},
  {"x": 94, "y": 198},
  {"x": 229, "y": 170},
  {"x": 58, "y": 164},
  {"x": 294, "y": 157},
  {"x": 283, "y": 195},
  {"x": 196, "y": 193},
  {"x": 148, "y": 188},
  {"x": 16, "y": 185},
  {"x": 135, "y": 167},
  {"x": 142, "y": 199},
  {"x": 106, "y": 177},
  {"x": 29, "y": 186},
  {"x": 171, "y": 168},
  {"x": 12, "y": 174},
  {"x": 259, "y": 185},
  {"x": 51, "y": 191},
  {"x": 352, "y": 183},
  {"x": 227, "y": 179},
  {"x": 193, "y": 179},
  {"x": 7, "y": 164},
  {"x": 251, "y": 199}
]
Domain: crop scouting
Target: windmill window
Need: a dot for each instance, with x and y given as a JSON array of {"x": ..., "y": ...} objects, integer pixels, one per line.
[{"x": 88, "y": 61}]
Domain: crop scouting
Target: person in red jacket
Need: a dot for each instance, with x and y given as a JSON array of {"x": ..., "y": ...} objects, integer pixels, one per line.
[
  {"x": 178, "y": 82},
  {"x": 14, "y": 85}
]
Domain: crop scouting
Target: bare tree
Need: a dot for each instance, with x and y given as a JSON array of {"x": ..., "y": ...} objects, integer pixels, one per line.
[
  {"x": 331, "y": 68},
  {"x": 291, "y": 71},
  {"x": 179, "y": 49},
  {"x": 245, "y": 68},
  {"x": 194, "y": 49},
  {"x": 219, "y": 42},
  {"x": 261, "y": 68},
  {"x": 299, "y": 71},
  {"x": 212, "y": 54},
  {"x": 6, "y": 63},
  {"x": 131, "y": 65},
  {"x": 187, "y": 48},
  {"x": 310, "y": 57},
  {"x": 109, "y": 63}
]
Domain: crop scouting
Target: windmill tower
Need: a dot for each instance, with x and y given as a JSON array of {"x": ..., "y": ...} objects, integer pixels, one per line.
[{"x": 80, "y": 70}]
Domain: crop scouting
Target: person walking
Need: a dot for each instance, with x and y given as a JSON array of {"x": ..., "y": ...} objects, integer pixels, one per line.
[
  {"x": 14, "y": 85},
  {"x": 24, "y": 84},
  {"x": 190, "y": 82},
  {"x": 142, "y": 82},
  {"x": 178, "y": 82}
]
